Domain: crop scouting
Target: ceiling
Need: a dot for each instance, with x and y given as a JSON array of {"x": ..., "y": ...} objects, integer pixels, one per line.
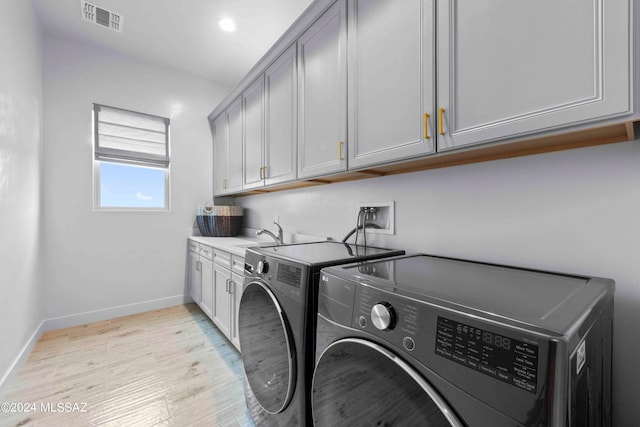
[{"x": 182, "y": 34}]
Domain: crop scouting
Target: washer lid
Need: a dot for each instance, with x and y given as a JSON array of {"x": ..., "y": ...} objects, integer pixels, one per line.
[
  {"x": 548, "y": 300},
  {"x": 325, "y": 252}
]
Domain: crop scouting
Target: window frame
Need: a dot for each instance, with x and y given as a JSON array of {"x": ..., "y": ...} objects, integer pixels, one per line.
[{"x": 129, "y": 158}]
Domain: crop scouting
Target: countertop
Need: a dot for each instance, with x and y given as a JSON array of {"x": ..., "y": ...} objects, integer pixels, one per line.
[
  {"x": 234, "y": 245},
  {"x": 238, "y": 245}
]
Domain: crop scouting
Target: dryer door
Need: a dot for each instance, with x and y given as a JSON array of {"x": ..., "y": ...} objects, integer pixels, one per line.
[
  {"x": 268, "y": 353},
  {"x": 357, "y": 382}
]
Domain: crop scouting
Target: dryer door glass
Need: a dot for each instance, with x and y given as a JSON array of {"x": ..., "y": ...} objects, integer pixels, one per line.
[
  {"x": 267, "y": 348},
  {"x": 357, "y": 382}
]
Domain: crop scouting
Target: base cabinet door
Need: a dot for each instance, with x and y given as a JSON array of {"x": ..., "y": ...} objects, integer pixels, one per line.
[
  {"x": 221, "y": 304},
  {"x": 391, "y": 80},
  {"x": 508, "y": 69},
  {"x": 206, "y": 303},
  {"x": 236, "y": 295},
  {"x": 195, "y": 277}
]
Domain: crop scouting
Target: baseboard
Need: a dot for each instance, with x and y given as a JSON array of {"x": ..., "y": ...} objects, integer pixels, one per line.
[
  {"x": 22, "y": 357},
  {"x": 113, "y": 312},
  {"x": 83, "y": 318}
]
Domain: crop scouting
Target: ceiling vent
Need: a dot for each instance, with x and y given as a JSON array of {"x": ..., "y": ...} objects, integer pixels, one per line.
[{"x": 100, "y": 16}]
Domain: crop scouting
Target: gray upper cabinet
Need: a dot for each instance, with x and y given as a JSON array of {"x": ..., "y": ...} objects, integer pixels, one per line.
[
  {"x": 233, "y": 181},
  {"x": 253, "y": 100},
  {"x": 322, "y": 95},
  {"x": 391, "y": 80},
  {"x": 219, "y": 131},
  {"x": 281, "y": 99},
  {"x": 270, "y": 117},
  {"x": 508, "y": 69},
  {"x": 227, "y": 150},
  {"x": 364, "y": 85}
]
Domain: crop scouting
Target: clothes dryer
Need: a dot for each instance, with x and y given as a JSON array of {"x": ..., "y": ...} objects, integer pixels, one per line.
[
  {"x": 276, "y": 323},
  {"x": 432, "y": 341}
]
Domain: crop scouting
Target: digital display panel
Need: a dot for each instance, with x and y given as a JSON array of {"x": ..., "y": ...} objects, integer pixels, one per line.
[{"x": 506, "y": 359}]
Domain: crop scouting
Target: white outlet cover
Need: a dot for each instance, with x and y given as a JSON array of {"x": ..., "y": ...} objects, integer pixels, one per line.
[{"x": 391, "y": 222}]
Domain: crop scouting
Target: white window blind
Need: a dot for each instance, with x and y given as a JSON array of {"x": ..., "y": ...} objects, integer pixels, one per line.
[{"x": 128, "y": 137}]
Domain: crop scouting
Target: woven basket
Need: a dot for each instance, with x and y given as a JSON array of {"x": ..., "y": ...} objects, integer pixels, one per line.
[{"x": 221, "y": 221}]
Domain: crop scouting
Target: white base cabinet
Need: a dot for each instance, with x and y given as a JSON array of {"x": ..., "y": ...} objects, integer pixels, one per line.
[
  {"x": 237, "y": 285},
  {"x": 206, "y": 271},
  {"x": 195, "y": 275},
  {"x": 215, "y": 284},
  {"x": 221, "y": 313}
]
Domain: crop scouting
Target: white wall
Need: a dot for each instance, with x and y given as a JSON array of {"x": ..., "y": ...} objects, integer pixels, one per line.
[
  {"x": 20, "y": 179},
  {"x": 574, "y": 211},
  {"x": 101, "y": 260}
]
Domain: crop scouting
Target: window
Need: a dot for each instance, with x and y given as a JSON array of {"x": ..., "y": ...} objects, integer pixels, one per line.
[{"x": 131, "y": 162}]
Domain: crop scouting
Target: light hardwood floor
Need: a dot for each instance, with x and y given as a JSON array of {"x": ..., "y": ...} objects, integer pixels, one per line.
[{"x": 169, "y": 367}]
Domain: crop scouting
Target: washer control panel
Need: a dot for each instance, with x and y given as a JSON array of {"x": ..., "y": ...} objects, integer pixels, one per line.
[
  {"x": 383, "y": 316},
  {"x": 396, "y": 319},
  {"x": 428, "y": 332},
  {"x": 506, "y": 359}
]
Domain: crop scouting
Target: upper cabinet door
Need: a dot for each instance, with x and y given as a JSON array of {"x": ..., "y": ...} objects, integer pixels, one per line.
[
  {"x": 391, "y": 80},
  {"x": 281, "y": 93},
  {"x": 508, "y": 68},
  {"x": 253, "y": 134},
  {"x": 233, "y": 178},
  {"x": 219, "y": 131},
  {"x": 322, "y": 94}
]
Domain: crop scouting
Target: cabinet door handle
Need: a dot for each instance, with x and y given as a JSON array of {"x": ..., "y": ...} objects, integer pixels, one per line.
[
  {"x": 198, "y": 266},
  {"x": 224, "y": 183},
  {"x": 441, "y": 121},
  {"x": 261, "y": 177},
  {"x": 232, "y": 287},
  {"x": 426, "y": 123},
  {"x": 340, "y": 144},
  {"x": 226, "y": 287}
]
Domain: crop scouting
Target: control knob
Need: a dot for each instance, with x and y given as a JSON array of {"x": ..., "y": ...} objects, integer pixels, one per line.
[
  {"x": 263, "y": 267},
  {"x": 383, "y": 316}
]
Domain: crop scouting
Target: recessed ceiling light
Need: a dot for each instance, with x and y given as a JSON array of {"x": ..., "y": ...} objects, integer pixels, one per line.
[{"x": 227, "y": 24}]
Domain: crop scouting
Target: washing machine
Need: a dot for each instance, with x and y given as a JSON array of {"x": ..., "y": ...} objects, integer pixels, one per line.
[
  {"x": 276, "y": 324},
  {"x": 431, "y": 341}
]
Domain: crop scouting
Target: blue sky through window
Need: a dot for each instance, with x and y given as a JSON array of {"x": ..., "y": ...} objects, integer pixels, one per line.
[{"x": 126, "y": 186}]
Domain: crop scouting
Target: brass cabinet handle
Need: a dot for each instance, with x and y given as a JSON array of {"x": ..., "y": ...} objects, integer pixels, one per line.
[
  {"x": 340, "y": 144},
  {"x": 441, "y": 121},
  {"x": 426, "y": 129},
  {"x": 263, "y": 172},
  {"x": 261, "y": 177},
  {"x": 224, "y": 183}
]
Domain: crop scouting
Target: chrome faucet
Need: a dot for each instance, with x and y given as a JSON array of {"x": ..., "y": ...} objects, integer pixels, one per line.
[{"x": 277, "y": 238}]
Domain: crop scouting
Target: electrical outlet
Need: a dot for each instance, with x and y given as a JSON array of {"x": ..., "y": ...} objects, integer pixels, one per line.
[{"x": 382, "y": 214}]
